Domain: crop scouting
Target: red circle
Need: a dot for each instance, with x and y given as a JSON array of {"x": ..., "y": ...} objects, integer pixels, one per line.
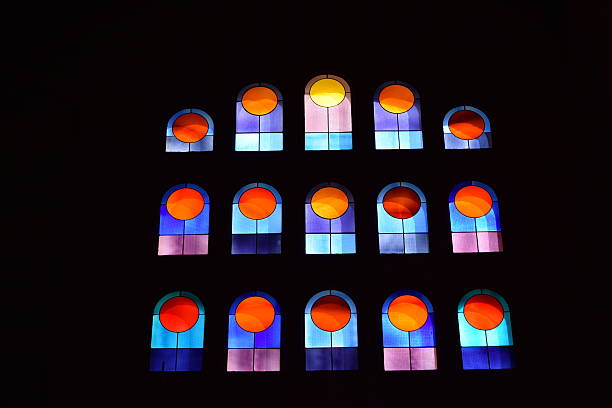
[
  {"x": 330, "y": 313},
  {"x": 257, "y": 203},
  {"x": 466, "y": 124},
  {"x": 483, "y": 312},
  {"x": 179, "y": 314},
  {"x": 401, "y": 202},
  {"x": 190, "y": 127}
]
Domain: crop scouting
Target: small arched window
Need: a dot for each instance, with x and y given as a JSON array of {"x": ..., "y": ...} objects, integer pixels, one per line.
[
  {"x": 409, "y": 336},
  {"x": 177, "y": 335},
  {"x": 474, "y": 217},
  {"x": 259, "y": 118},
  {"x": 190, "y": 130},
  {"x": 397, "y": 117},
  {"x": 402, "y": 220},
  {"x": 327, "y": 113},
  {"x": 466, "y": 127},
  {"x": 331, "y": 332},
  {"x": 257, "y": 220},
  {"x": 330, "y": 220},
  {"x": 254, "y": 333},
  {"x": 485, "y": 331},
  {"x": 183, "y": 221}
]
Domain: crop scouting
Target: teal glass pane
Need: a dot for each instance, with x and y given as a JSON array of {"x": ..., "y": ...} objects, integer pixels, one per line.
[
  {"x": 502, "y": 334},
  {"x": 318, "y": 243},
  {"x": 271, "y": 224},
  {"x": 160, "y": 337},
  {"x": 417, "y": 223},
  {"x": 340, "y": 141},
  {"x": 271, "y": 141},
  {"x": 316, "y": 141},
  {"x": 386, "y": 140},
  {"x": 387, "y": 223},
  {"x": 343, "y": 244},
  {"x": 412, "y": 139},
  {"x": 247, "y": 142},
  {"x": 470, "y": 336},
  {"x": 194, "y": 337},
  {"x": 242, "y": 224},
  {"x": 347, "y": 336},
  {"x": 313, "y": 336}
]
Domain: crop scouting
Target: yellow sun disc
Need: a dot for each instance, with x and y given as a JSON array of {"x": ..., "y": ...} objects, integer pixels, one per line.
[{"x": 327, "y": 92}]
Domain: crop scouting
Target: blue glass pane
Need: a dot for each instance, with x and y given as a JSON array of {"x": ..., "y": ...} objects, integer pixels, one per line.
[
  {"x": 244, "y": 244},
  {"x": 502, "y": 334},
  {"x": 273, "y": 121},
  {"x": 204, "y": 145},
  {"x": 425, "y": 336},
  {"x": 384, "y": 120},
  {"x": 194, "y": 337},
  {"x": 392, "y": 336},
  {"x": 245, "y": 122},
  {"x": 416, "y": 243},
  {"x": 318, "y": 359},
  {"x": 247, "y": 142},
  {"x": 340, "y": 141},
  {"x": 238, "y": 337},
  {"x": 316, "y": 141},
  {"x": 453, "y": 142},
  {"x": 268, "y": 243},
  {"x": 459, "y": 222},
  {"x": 411, "y": 120},
  {"x": 343, "y": 244},
  {"x": 199, "y": 224},
  {"x": 270, "y": 142},
  {"x": 313, "y": 336},
  {"x": 482, "y": 142},
  {"x": 168, "y": 225},
  {"x": 314, "y": 223},
  {"x": 489, "y": 221},
  {"x": 189, "y": 359},
  {"x": 501, "y": 357},
  {"x": 345, "y": 359},
  {"x": 162, "y": 359},
  {"x": 475, "y": 358},
  {"x": 175, "y": 145},
  {"x": 273, "y": 223},
  {"x": 418, "y": 223},
  {"x": 347, "y": 336},
  {"x": 391, "y": 243},
  {"x": 270, "y": 338},
  {"x": 386, "y": 140},
  {"x": 242, "y": 224},
  {"x": 412, "y": 139},
  {"x": 160, "y": 337},
  {"x": 470, "y": 336},
  {"x": 387, "y": 223},
  {"x": 318, "y": 243},
  {"x": 345, "y": 223}
]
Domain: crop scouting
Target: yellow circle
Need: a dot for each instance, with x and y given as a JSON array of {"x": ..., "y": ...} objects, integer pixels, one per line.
[
  {"x": 327, "y": 92},
  {"x": 329, "y": 203}
]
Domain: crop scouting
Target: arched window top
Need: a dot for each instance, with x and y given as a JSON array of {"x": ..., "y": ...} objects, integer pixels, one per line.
[
  {"x": 391, "y": 186},
  {"x": 179, "y": 293},
  {"x": 318, "y": 187},
  {"x": 397, "y": 117},
  {"x": 257, "y": 185},
  {"x": 398, "y": 94},
  {"x": 488, "y": 292},
  {"x": 171, "y": 190},
  {"x": 190, "y": 130},
  {"x": 259, "y": 118},
  {"x": 489, "y": 190},
  {"x": 255, "y": 293},
  {"x": 466, "y": 127},
  {"x": 331, "y": 292},
  {"x": 395, "y": 295}
]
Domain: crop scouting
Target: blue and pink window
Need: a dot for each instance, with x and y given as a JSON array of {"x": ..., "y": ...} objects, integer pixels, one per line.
[
  {"x": 184, "y": 221},
  {"x": 254, "y": 333},
  {"x": 177, "y": 334},
  {"x": 259, "y": 118},
  {"x": 466, "y": 127},
  {"x": 397, "y": 117},
  {"x": 190, "y": 130},
  {"x": 409, "y": 337},
  {"x": 485, "y": 331},
  {"x": 331, "y": 332}
]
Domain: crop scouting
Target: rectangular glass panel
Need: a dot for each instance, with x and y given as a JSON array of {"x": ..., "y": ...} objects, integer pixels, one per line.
[{"x": 396, "y": 359}]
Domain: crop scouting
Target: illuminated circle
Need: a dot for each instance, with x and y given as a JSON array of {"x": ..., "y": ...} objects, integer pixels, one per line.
[
  {"x": 257, "y": 203},
  {"x": 178, "y": 314},
  {"x": 185, "y": 204},
  {"x": 259, "y": 100},
  {"x": 255, "y": 314},
  {"x": 330, "y": 313},
  {"x": 401, "y": 202},
  {"x": 473, "y": 201},
  {"x": 329, "y": 202},
  {"x": 483, "y": 312},
  {"x": 190, "y": 127},
  {"x": 396, "y": 98},
  {"x": 327, "y": 92},
  {"x": 407, "y": 313},
  {"x": 466, "y": 124}
]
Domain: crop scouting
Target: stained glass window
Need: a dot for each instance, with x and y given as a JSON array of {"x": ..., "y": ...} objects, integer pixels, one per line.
[
  {"x": 177, "y": 335},
  {"x": 402, "y": 220},
  {"x": 190, "y": 130},
  {"x": 327, "y": 111},
  {"x": 259, "y": 118},
  {"x": 409, "y": 337},
  {"x": 257, "y": 220},
  {"x": 485, "y": 331},
  {"x": 466, "y": 127},
  {"x": 183, "y": 221},
  {"x": 330, "y": 220},
  {"x": 397, "y": 117},
  {"x": 253, "y": 341},
  {"x": 474, "y": 216},
  {"x": 331, "y": 332}
]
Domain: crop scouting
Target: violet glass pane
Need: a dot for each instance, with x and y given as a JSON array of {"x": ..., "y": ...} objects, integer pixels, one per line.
[
  {"x": 168, "y": 225},
  {"x": 475, "y": 358},
  {"x": 195, "y": 245},
  {"x": 344, "y": 358},
  {"x": 240, "y": 360},
  {"x": 423, "y": 358},
  {"x": 424, "y": 337},
  {"x": 464, "y": 242},
  {"x": 269, "y": 338},
  {"x": 315, "y": 116},
  {"x": 162, "y": 360},
  {"x": 244, "y": 244},
  {"x": 501, "y": 357},
  {"x": 170, "y": 245},
  {"x": 345, "y": 223},
  {"x": 268, "y": 243},
  {"x": 267, "y": 360},
  {"x": 391, "y": 243},
  {"x": 411, "y": 120},
  {"x": 318, "y": 359},
  {"x": 384, "y": 120},
  {"x": 314, "y": 223},
  {"x": 273, "y": 121},
  {"x": 397, "y": 359},
  {"x": 245, "y": 122},
  {"x": 340, "y": 116},
  {"x": 489, "y": 242},
  {"x": 188, "y": 359}
]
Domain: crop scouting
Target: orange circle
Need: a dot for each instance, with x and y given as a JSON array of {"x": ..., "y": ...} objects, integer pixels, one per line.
[
  {"x": 259, "y": 100},
  {"x": 190, "y": 127},
  {"x": 483, "y": 312},
  {"x": 330, "y": 313},
  {"x": 396, "y": 98},
  {"x": 407, "y": 313},
  {"x": 329, "y": 202},
  {"x": 466, "y": 124},
  {"x": 255, "y": 314},
  {"x": 401, "y": 202},
  {"x": 178, "y": 314},
  {"x": 185, "y": 204},
  {"x": 257, "y": 203},
  {"x": 473, "y": 201}
]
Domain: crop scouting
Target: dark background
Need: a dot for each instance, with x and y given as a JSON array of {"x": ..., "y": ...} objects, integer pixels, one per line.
[{"x": 91, "y": 90}]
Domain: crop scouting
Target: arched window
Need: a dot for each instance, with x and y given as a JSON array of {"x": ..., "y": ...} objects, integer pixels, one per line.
[
  {"x": 484, "y": 331},
  {"x": 257, "y": 220},
  {"x": 397, "y": 117},
  {"x": 253, "y": 340},
  {"x": 190, "y": 130},
  {"x": 259, "y": 118},
  {"x": 330, "y": 220},
  {"x": 466, "y": 127},
  {"x": 331, "y": 332},
  {"x": 409, "y": 336},
  {"x": 402, "y": 220},
  {"x": 177, "y": 335},
  {"x": 474, "y": 217},
  {"x": 327, "y": 111},
  {"x": 183, "y": 221}
]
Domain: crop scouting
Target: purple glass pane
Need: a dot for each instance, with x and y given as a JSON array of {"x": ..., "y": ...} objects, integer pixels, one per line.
[
  {"x": 345, "y": 223},
  {"x": 269, "y": 338},
  {"x": 314, "y": 223},
  {"x": 189, "y": 359},
  {"x": 344, "y": 358},
  {"x": 318, "y": 359},
  {"x": 384, "y": 120},
  {"x": 240, "y": 360},
  {"x": 244, "y": 244},
  {"x": 245, "y": 122},
  {"x": 168, "y": 225},
  {"x": 195, "y": 245},
  {"x": 397, "y": 359},
  {"x": 464, "y": 242},
  {"x": 273, "y": 121},
  {"x": 170, "y": 245},
  {"x": 268, "y": 243},
  {"x": 411, "y": 120},
  {"x": 267, "y": 360},
  {"x": 162, "y": 360},
  {"x": 340, "y": 116},
  {"x": 490, "y": 242},
  {"x": 423, "y": 358},
  {"x": 424, "y": 337},
  {"x": 501, "y": 357},
  {"x": 475, "y": 358}
]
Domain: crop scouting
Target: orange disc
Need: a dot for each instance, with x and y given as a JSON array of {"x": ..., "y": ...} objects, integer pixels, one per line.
[
  {"x": 185, "y": 204},
  {"x": 407, "y": 313},
  {"x": 401, "y": 202},
  {"x": 466, "y": 124},
  {"x": 178, "y": 314},
  {"x": 483, "y": 312},
  {"x": 255, "y": 314},
  {"x": 190, "y": 127},
  {"x": 396, "y": 98},
  {"x": 257, "y": 203},
  {"x": 330, "y": 313},
  {"x": 259, "y": 100},
  {"x": 329, "y": 202},
  {"x": 473, "y": 201}
]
